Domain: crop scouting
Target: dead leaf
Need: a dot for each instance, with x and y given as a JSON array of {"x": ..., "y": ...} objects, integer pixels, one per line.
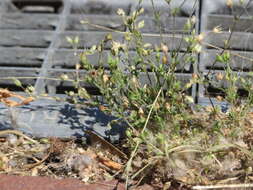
[
  {"x": 27, "y": 100},
  {"x": 5, "y": 93},
  {"x": 109, "y": 163},
  {"x": 10, "y": 103},
  {"x": 102, "y": 108}
]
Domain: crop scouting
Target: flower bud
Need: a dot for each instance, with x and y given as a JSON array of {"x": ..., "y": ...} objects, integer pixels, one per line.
[
  {"x": 125, "y": 102},
  {"x": 156, "y": 106},
  {"x": 78, "y": 66},
  {"x": 164, "y": 48},
  {"x": 200, "y": 37},
  {"x": 108, "y": 37},
  {"x": 102, "y": 108},
  {"x": 219, "y": 98},
  {"x": 106, "y": 78},
  {"x": 167, "y": 106},
  {"x": 141, "y": 112},
  {"x": 193, "y": 19},
  {"x": 229, "y": 3},
  {"x": 135, "y": 82},
  {"x": 219, "y": 76},
  {"x": 121, "y": 12},
  {"x": 64, "y": 77},
  {"x": 195, "y": 76},
  {"x": 217, "y": 29},
  {"x": 164, "y": 59}
]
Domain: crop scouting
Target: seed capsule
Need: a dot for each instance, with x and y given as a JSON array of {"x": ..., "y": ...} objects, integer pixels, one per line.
[{"x": 105, "y": 78}]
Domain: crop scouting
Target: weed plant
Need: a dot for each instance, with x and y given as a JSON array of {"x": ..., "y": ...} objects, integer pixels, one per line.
[{"x": 168, "y": 137}]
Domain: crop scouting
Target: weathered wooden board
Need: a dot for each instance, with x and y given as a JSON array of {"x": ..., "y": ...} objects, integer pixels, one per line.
[
  {"x": 167, "y": 8},
  {"x": 174, "y": 42},
  {"x": 22, "y": 57},
  {"x": 100, "y": 7},
  {"x": 49, "y": 22},
  {"x": 37, "y": 1},
  {"x": 183, "y": 65},
  {"x": 243, "y": 9},
  {"x": 21, "y": 21},
  {"x": 104, "y": 23},
  {"x": 36, "y": 6},
  {"x": 69, "y": 58},
  {"x": 144, "y": 79},
  {"x": 33, "y": 57},
  {"x": 164, "y": 25},
  {"x": 239, "y": 40},
  {"x": 87, "y": 39},
  {"x": 226, "y": 22},
  {"x": 28, "y": 38},
  {"x": 29, "y": 74},
  {"x": 240, "y": 60}
]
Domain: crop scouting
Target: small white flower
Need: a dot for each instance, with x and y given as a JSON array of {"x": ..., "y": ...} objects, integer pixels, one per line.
[
  {"x": 121, "y": 12},
  {"x": 217, "y": 29}
]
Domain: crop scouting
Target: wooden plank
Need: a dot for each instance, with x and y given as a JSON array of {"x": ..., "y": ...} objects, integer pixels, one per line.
[
  {"x": 49, "y": 22},
  {"x": 37, "y": 6},
  {"x": 110, "y": 21},
  {"x": 222, "y": 9},
  {"x": 37, "y": 1},
  {"x": 68, "y": 59},
  {"x": 237, "y": 63},
  {"x": 3, "y": 7},
  {"x": 174, "y": 42},
  {"x": 87, "y": 39},
  {"x": 30, "y": 38},
  {"x": 226, "y": 22},
  {"x": 239, "y": 40},
  {"x": 22, "y": 57},
  {"x": 184, "y": 78},
  {"x": 33, "y": 57},
  {"x": 166, "y": 8},
  {"x": 27, "y": 38},
  {"x": 100, "y": 7},
  {"x": 6, "y": 72},
  {"x": 168, "y": 24},
  {"x": 182, "y": 66},
  {"x": 26, "y": 21}
]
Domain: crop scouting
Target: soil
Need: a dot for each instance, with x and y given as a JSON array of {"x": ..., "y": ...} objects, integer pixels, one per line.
[{"x": 66, "y": 158}]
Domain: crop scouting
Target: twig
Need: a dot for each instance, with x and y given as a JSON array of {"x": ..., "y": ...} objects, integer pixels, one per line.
[
  {"x": 232, "y": 186},
  {"x": 15, "y": 132},
  {"x": 30, "y": 166}
]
